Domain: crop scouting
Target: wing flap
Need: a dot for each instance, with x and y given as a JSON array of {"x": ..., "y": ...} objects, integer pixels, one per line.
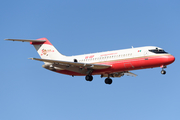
[
  {"x": 119, "y": 74},
  {"x": 87, "y": 65},
  {"x": 130, "y": 74}
]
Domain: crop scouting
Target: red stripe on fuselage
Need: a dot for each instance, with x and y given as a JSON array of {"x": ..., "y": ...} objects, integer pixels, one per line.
[{"x": 130, "y": 64}]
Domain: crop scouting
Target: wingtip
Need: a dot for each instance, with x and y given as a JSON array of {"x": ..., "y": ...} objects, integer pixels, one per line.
[
  {"x": 9, "y": 39},
  {"x": 32, "y": 58}
]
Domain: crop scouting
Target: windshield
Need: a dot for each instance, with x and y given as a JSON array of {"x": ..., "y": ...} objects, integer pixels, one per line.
[{"x": 158, "y": 51}]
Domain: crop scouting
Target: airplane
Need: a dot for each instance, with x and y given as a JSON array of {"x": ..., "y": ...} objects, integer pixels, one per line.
[{"x": 109, "y": 64}]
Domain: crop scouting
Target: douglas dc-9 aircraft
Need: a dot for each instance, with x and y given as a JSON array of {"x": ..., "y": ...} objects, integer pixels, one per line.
[{"x": 107, "y": 64}]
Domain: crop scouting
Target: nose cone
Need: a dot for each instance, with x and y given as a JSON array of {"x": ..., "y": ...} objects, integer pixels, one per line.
[{"x": 171, "y": 59}]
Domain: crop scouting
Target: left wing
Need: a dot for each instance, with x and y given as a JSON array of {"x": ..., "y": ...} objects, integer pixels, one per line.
[{"x": 76, "y": 64}]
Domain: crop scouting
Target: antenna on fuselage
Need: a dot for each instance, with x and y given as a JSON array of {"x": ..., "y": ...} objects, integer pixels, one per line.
[{"x": 132, "y": 46}]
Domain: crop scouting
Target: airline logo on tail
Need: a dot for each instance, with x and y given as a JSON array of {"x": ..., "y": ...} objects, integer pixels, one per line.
[{"x": 46, "y": 51}]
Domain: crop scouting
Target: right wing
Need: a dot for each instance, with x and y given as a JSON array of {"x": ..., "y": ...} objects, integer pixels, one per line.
[
  {"x": 130, "y": 74},
  {"x": 119, "y": 74}
]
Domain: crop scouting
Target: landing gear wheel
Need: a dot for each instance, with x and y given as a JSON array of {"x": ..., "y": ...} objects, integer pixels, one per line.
[
  {"x": 89, "y": 77},
  {"x": 108, "y": 81},
  {"x": 163, "y": 72}
]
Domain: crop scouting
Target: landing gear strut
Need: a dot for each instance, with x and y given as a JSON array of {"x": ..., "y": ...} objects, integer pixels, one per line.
[
  {"x": 89, "y": 77},
  {"x": 108, "y": 81},
  {"x": 163, "y": 71}
]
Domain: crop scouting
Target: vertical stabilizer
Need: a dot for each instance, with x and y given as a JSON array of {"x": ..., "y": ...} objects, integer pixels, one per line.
[{"x": 46, "y": 50}]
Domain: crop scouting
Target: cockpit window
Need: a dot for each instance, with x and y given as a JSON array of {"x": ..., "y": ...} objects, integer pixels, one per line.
[{"x": 158, "y": 51}]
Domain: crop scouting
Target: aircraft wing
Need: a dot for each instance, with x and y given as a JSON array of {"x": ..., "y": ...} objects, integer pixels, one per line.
[
  {"x": 76, "y": 64},
  {"x": 130, "y": 74},
  {"x": 119, "y": 74}
]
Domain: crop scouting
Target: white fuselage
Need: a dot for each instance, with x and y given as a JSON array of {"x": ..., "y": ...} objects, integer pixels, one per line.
[{"x": 112, "y": 55}]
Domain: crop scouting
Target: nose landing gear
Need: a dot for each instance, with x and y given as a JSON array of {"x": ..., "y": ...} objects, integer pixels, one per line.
[{"x": 163, "y": 72}]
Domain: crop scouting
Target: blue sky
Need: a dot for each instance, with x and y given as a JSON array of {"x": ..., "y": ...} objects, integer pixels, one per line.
[{"x": 28, "y": 91}]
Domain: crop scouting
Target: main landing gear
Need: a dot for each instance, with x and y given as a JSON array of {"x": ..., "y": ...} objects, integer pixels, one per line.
[{"x": 90, "y": 78}]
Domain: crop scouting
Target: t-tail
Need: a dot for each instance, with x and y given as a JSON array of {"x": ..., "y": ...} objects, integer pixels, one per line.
[{"x": 44, "y": 48}]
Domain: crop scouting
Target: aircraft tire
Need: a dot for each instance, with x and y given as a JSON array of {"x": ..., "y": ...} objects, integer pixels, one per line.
[
  {"x": 89, "y": 77},
  {"x": 108, "y": 81},
  {"x": 163, "y": 72}
]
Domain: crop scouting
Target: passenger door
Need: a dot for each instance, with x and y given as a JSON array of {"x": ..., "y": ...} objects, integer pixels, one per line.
[{"x": 146, "y": 55}]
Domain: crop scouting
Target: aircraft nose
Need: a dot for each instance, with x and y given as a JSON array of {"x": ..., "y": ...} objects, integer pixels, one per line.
[{"x": 171, "y": 58}]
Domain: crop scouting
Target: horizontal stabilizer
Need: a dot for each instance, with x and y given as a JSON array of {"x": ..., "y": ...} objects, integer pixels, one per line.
[
  {"x": 76, "y": 64},
  {"x": 26, "y": 40}
]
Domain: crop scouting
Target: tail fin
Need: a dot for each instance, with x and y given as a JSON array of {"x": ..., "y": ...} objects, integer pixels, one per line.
[{"x": 44, "y": 48}]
